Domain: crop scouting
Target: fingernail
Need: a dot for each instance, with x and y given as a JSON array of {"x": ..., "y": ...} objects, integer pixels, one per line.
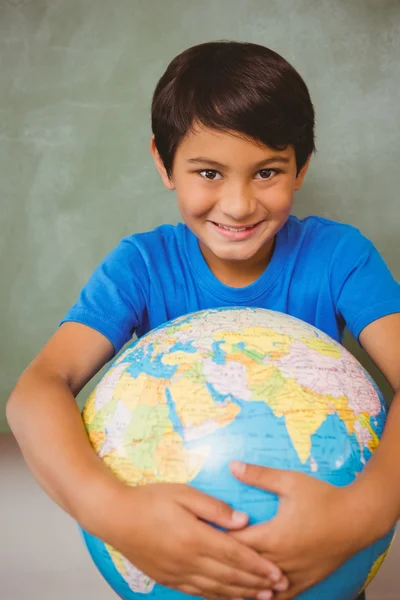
[
  {"x": 237, "y": 467},
  {"x": 265, "y": 595},
  {"x": 282, "y": 586},
  {"x": 275, "y": 575},
  {"x": 238, "y": 517}
]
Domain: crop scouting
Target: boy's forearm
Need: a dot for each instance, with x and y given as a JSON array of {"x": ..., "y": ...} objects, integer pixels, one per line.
[
  {"x": 46, "y": 422},
  {"x": 379, "y": 483}
]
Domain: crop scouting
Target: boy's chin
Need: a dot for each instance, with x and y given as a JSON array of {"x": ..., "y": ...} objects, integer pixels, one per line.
[{"x": 241, "y": 254}]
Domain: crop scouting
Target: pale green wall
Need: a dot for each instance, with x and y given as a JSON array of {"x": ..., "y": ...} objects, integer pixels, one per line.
[{"x": 76, "y": 175}]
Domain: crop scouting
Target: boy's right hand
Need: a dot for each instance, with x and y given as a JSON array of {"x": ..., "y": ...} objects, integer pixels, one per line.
[{"x": 161, "y": 529}]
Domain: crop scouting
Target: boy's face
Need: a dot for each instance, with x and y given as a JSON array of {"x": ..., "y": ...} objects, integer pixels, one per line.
[{"x": 250, "y": 191}]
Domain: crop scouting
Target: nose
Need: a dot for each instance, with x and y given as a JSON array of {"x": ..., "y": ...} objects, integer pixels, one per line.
[{"x": 238, "y": 202}]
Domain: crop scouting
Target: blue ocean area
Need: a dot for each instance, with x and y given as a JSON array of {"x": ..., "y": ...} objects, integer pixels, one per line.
[
  {"x": 258, "y": 436},
  {"x": 183, "y": 347},
  {"x": 173, "y": 415},
  {"x": 218, "y": 355},
  {"x": 152, "y": 365}
]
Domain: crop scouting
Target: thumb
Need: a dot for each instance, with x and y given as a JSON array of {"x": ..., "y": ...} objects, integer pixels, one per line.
[
  {"x": 212, "y": 510},
  {"x": 265, "y": 478}
]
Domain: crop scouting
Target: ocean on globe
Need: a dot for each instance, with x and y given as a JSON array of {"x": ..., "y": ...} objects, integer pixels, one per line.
[{"x": 249, "y": 384}]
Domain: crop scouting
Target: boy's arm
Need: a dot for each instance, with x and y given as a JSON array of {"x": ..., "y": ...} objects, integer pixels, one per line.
[
  {"x": 379, "y": 482},
  {"x": 45, "y": 419}
]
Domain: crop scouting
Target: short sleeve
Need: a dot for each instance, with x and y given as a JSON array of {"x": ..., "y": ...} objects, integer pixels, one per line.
[
  {"x": 363, "y": 287},
  {"x": 113, "y": 300}
]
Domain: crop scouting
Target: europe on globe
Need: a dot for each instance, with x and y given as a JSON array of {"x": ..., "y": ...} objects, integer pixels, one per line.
[{"x": 183, "y": 401}]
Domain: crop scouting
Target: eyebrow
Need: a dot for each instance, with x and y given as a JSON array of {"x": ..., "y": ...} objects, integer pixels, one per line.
[{"x": 214, "y": 163}]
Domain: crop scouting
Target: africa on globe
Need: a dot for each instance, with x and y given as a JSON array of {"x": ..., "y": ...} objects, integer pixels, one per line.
[{"x": 249, "y": 384}]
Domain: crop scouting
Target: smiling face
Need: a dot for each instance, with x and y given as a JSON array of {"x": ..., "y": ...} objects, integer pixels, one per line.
[{"x": 234, "y": 194}]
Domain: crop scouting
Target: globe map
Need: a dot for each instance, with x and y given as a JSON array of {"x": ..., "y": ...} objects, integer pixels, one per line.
[{"x": 250, "y": 384}]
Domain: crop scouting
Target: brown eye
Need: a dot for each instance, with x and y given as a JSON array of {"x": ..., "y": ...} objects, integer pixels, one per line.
[
  {"x": 209, "y": 174},
  {"x": 266, "y": 173}
]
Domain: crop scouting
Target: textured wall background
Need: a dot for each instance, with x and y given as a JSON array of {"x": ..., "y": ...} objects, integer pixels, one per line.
[{"x": 76, "y": 81}]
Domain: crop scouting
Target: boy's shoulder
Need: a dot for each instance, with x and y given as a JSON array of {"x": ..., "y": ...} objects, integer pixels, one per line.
[
  {"x": 152, "y": 242},
  {"x": 325, "y": 234},
  {"x": 320, "y": 225},
  {"x": 319, "y": 241},
  {"x": 160, "y": 234},
  {"x": 152, "y": 250}
]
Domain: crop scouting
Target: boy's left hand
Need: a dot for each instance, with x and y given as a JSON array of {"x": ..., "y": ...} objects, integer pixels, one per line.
[{"x": 318, "y": 526}]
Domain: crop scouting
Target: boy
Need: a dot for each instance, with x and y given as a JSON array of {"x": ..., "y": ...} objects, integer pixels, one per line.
[{"x": 233, "y": 134}]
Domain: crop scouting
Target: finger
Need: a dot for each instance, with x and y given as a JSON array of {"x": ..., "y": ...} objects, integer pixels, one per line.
[
  {"x": 189, "y": 589},
  {"x": 225, "y": 549},
  {"x": 282, "y": 585},
  {"x": 216, "y": 589},
  {"x": 212, "y": 510},
  {"x": 266, "y": 478},
  {"x": 256, "y": 536},
  {"x": 292, "y": 593},
  {"x": 231, "y": 576}
]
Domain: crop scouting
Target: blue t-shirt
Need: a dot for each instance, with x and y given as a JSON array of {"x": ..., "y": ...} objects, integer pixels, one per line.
[{"x": 321, "y": 271}]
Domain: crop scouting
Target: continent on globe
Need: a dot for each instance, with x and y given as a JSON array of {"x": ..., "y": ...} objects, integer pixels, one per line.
[{"x": 179, "y": 404}]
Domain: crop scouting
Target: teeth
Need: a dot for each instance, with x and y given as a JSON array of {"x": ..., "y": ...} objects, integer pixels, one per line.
[{"x": 235, "y": 228}]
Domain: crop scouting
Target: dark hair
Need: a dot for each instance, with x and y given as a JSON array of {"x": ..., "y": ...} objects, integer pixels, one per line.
[{"x": 233, "y": 86}]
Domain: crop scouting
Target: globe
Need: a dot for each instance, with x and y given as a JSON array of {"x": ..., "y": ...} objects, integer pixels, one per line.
[{"x": 250, "y": 384}]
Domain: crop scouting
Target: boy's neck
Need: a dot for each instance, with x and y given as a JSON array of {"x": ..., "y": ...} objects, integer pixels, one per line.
[{"x": 239, "y": 274}]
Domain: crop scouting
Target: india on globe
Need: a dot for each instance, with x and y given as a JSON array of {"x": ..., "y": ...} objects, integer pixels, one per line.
[{"x": 183, "y": 401}]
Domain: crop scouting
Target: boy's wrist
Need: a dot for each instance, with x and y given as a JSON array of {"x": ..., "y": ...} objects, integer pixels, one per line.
[
  {"x": 96, "y": 500},
  {"x": 377, "y": 514}
]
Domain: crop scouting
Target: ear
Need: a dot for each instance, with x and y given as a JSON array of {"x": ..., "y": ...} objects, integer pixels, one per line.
[
  {"x": 169, "y": 184},
  {"x": 302, "y": 174}
]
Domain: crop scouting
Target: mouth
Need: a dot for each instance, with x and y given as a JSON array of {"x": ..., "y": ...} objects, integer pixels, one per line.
[
  {"x": 235, "y": 232},
  {"x": 236, "y": 227}
]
